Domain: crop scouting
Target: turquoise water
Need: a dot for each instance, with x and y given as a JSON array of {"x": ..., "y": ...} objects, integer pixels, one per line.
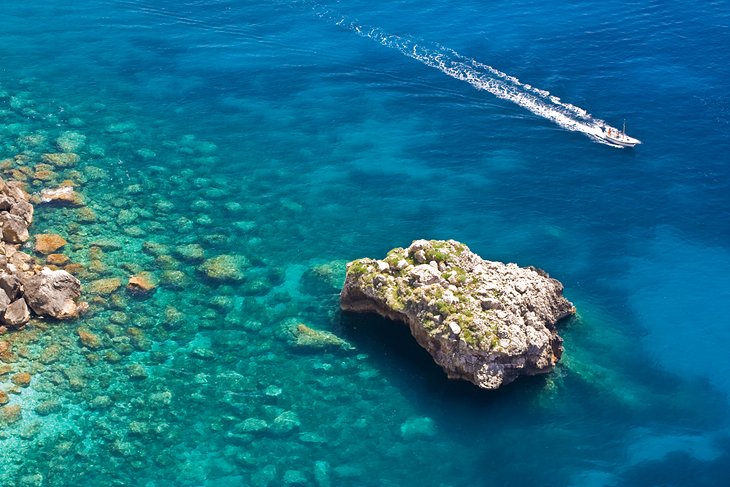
[{"x": 298, "y": 136}]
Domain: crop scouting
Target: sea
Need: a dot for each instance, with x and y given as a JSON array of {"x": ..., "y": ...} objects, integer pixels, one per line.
[{"x": 240, "y": 152}]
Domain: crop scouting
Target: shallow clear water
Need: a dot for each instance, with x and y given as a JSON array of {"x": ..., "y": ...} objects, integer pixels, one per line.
[{"x": 299, "y": 135}]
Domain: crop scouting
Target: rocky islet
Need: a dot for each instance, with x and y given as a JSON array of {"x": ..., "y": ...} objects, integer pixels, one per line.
[{"x": 482, "y": 321}]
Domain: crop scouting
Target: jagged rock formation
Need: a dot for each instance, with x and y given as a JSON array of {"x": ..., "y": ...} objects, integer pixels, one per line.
[
  {"x": 24, "y": 285},
  {"x": 485, "y": 322}
]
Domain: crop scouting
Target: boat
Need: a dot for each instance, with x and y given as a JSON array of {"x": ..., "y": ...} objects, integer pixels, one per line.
[{"x": 616, "y": 136}]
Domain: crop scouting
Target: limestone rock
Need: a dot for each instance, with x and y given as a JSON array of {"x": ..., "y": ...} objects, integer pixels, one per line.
[
  {"x": 89, "y": 339},
  {"x": 16, "y": 314},
  {"x": 224, "y": 267},
  {"x": 10, "y": 414},
  {"x": 485, "y": 322},
  {"x": 21, "y": 379},
  {"x": 190, "y": 252},
  {"x": 57, "y": 259},
  {"x": 61, "y": 159},
  {"x": 23, "y": 209},
  {"x": 4, "y": 302},
  {"x": 53, "y": 293},
  {"x": 306, "y": 337},
  {"x": 14, "y": 228},
  {"x": 48, "y": 243},
  {"x": 64, "y": 195},
  {"x": 10, "y": 284},
  {"x": 142, "y": 283},
  {"x": 105, "y": 286}
]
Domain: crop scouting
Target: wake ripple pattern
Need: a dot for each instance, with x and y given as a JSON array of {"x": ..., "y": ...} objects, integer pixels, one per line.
[{"x": 479, "y": 75}]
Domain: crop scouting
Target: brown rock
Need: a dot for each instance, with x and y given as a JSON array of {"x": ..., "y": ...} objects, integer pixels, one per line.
[
  {"x": 53, "y": 293},
  {"x": 86, "y": 215},
  {"x": 142, "y": 283},
  {"x": 10, "y": 414},
  {"x": 4, "y": 399},
  {"x": 47, "y": 243},
  {"x": 14, "y": 228},
  {"x": 24, "y": 210},
  {"x": 16, "y": 314},
  {"x": 4, "y": 302},
  {"x": 105, "y": 286},
  {"x": 6, "y": 352},
  {"x": 11, "y": 285},
  {"x": 63, "y": 195},
  {"x": 21, "y": 379},
  {"x": 61, "y": 159},
  {"x": 6, "y": 202},
  {"x": 57, "y": 259},
  {"x": 74, "y": 268},
  {"x": 14, "y": 190},
  {"x": 89, "y": 339}
]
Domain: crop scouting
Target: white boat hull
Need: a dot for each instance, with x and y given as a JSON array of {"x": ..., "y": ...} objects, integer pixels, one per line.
[{"x": 615, "y": 136}]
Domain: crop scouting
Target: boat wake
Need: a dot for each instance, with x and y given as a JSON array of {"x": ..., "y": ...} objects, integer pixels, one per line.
[{"x": 480, "y": 76}]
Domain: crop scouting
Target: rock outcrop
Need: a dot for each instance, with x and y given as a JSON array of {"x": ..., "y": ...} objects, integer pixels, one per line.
[
  {"x": 25, "y": 286},
  {"x": 53, "y": 293},
  {"x": 482, "y": 321}
]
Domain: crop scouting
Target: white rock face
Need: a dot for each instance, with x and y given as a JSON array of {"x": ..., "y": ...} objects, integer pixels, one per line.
[{"x": 482, "y": 321}]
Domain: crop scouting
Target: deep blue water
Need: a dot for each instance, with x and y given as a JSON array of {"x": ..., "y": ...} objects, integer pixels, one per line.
[{"x": 301, "y": 133}]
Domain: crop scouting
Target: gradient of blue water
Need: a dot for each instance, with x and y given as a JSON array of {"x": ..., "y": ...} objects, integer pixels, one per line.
[{"x": 387, "y": 150}]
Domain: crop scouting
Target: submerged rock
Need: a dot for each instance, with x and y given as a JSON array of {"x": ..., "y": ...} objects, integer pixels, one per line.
[
  {"x": 309, "y": 338},
  {"x": 48, "y": 243},
  {"x": 142, "y": 283},
  {"x": 482, "y": 321},
  {"x": 61, "y": 159},
  {"x": 63, "y": 195},
  {"x": 224, "y": 267},
  {"x": 414, "y": 428}
]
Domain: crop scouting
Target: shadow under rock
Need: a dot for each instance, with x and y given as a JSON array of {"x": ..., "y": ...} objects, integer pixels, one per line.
[{"x": 393, "y": 351}]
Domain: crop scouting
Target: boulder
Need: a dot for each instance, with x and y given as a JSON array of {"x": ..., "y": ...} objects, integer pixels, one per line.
[
  {"x": 13, "y": 190},
  {"x": 482, "y": 321},
  {"x": 105, "y": 286},
  {"x": 305, "y": 337},
  {"x": 61, "y": 159},
  {"x": 24, "y": 210},
  {"x": 53, "y": 293},
  {"x": 48, "y": 243},
  {"x": 142, "y": 283},
  {"x": 6, "y": 202},
  {"x": 16, "y": 314},
  {"x": 57, "y": 259},
  {"x": 64, "y": 195},
  {"x": 4, "y": 302},
  {"x": 14, "y": 228},
  {"x": 224, "y": 267}
]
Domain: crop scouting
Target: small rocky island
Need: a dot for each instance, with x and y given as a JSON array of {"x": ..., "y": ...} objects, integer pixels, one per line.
[
  {"x": 485, "y": 322},
  {"x": 25, "y": 286}
]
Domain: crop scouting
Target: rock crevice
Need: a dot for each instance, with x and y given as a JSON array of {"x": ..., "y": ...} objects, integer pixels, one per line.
[{"x": 481, "y": 321}]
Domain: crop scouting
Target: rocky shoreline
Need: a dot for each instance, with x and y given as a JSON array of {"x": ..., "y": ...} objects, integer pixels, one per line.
[
  {"x": 482, "y": 321},
  {"x": 26, "y": 287}
]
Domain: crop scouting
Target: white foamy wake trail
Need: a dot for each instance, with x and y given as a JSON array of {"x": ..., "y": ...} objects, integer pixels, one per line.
[{"x": 479, "y": 75}]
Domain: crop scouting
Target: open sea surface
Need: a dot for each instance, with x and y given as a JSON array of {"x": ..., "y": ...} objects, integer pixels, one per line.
[{"x": 293, "y": 136}]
